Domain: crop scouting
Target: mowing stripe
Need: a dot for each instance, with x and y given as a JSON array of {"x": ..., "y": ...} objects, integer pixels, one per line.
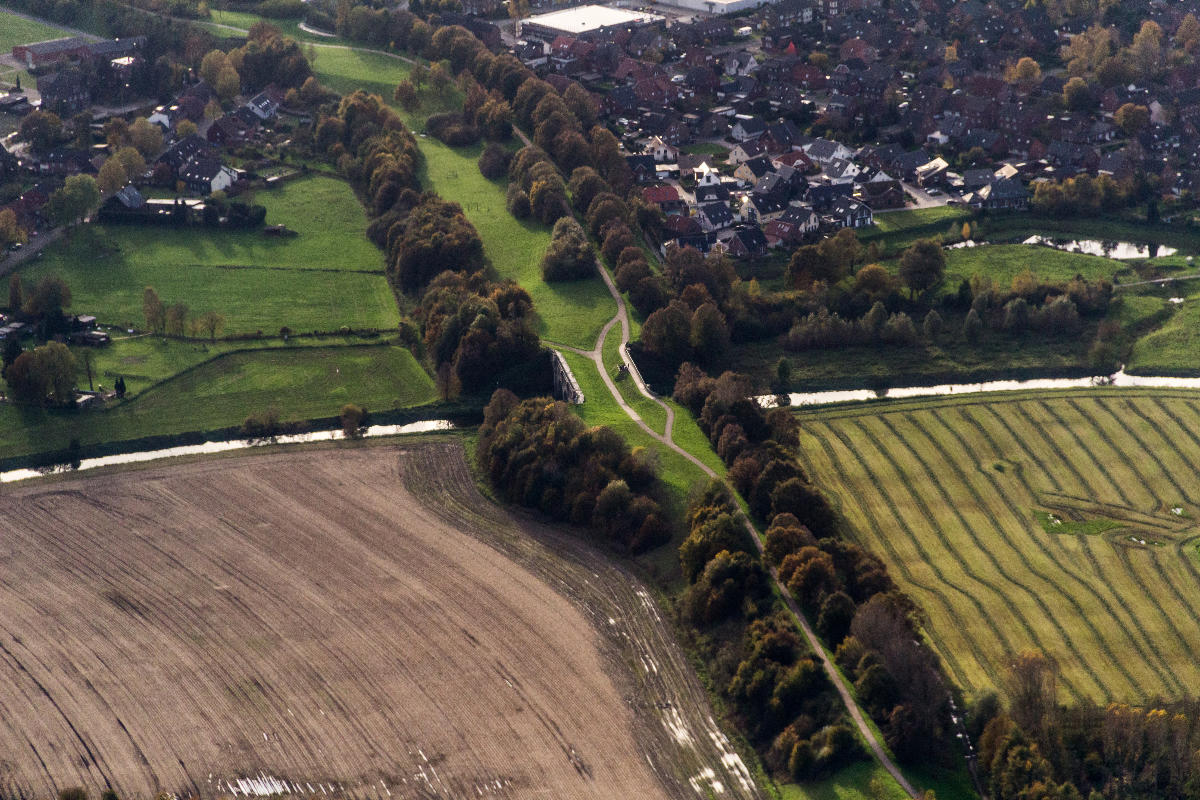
[
  {"x": 1127, "y": 565},
  {"x": 1056, "y": 545},
  {"x": 918, "y": 501},
  {"x": 1141, "y": 445},
  {"x": 1085, "y": 451},
  {"x": 901, "y": 564},
  {"x": 1140, "y": 480},
  {"x": 1020, "y": 523},
  {"x": 954, "y": 611},
  {"x": 1039, "y": 430},
  {"x": 1019, "y": 441},
  {"x": 1036, "y": 597}
]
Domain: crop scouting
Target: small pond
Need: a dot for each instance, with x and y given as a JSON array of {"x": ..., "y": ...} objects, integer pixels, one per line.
[{"x": 1096, "y": 247}]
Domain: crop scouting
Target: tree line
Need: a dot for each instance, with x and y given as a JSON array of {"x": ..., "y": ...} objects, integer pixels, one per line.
[
  {"x": 1039, "y": 747},
  {"x": 539, "y": 454},
  {"x": 873, "y": 627},
  {"x": 475, "y": 331}
]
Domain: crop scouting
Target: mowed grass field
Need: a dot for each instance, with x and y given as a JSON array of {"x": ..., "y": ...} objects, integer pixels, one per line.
[
  {"x": 15, "y": 30},
  {"x": 357, "y": 616},
  {"x": 327, "y": 277},
  {"x": 297, "y": 382},
  {"x": 1003, "y": 262},
  {"x": 1059, "y": 522}
]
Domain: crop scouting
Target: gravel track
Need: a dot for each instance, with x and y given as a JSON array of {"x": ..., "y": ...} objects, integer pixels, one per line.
[{"x": 354, "y": 622}]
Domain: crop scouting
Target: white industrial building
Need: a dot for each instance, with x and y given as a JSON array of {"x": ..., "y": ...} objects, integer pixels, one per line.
[{"x": 588, "y": 22}]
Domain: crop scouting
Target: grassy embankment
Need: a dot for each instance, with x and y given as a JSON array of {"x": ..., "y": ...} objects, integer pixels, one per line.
[{"x": 953, "y": 494}]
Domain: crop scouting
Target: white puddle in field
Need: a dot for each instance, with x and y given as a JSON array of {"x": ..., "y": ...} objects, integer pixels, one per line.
[
  {"x": 1120, "y": 380},
  {"x": 207, "y": 448}
]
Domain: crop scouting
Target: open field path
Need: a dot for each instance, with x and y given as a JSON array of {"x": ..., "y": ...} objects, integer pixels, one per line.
[
  {"x": 865, "y": 729},
  {"x": 355, "y": 621}
]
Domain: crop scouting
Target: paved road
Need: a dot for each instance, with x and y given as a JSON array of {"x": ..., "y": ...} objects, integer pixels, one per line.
[{"x": 35, "y": 246}]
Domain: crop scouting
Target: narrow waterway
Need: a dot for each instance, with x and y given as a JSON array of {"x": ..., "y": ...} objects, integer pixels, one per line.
[
  {"x": 1120, "y": 380},
  {"x": 207, "y": 448}
]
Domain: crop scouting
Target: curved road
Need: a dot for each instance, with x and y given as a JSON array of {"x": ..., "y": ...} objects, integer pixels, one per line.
[{"x": 596, "y": 354}]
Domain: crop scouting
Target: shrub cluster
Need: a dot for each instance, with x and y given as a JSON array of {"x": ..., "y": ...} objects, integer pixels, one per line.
[
  {"x": 570, "y": 256},
  {"x": 539, "y": 454},
  {"x": 1039, "y": 747},
  {"x": 452, "y": 128},
  {"x": 474, "y": 330}
]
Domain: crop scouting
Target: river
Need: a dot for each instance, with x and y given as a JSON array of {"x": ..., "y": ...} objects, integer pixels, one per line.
[
  {"x": 1119, "y": 379},
  {"x": 425, "y": 426}
]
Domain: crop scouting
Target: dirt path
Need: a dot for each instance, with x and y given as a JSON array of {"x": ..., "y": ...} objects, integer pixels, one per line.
[
  {"x": 348, "y": 621},
  {"x": 852, "y": 707}
]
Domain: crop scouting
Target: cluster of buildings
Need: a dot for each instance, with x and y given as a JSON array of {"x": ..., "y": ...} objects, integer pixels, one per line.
[
  {"x": 905, "y": 93},
  {"x": 70, "y": 71}
]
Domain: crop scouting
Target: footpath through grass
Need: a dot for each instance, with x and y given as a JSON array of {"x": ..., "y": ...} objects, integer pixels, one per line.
[{"x": 298, "y": 383}]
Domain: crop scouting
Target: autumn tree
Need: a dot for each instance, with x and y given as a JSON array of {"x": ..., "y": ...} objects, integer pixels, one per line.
[
  {"x": 78, "y": 197},
  {"x": 154, "y": 311},
  {"x": 1025, "y": 72},
  {"x": 1132, "y": 118},
  {"x": 146, "y": 137},
  {"x": 922, "y": 265},
  {"x": 42, "y": 129},
  {"x": 10, "y": 231},
  {"x": 43, "y": 376},
  {"x": 406, "y": 96},
  {"x": 210, "y": 322}
]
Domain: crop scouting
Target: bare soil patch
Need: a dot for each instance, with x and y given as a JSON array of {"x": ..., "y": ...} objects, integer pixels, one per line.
[{"x": 343, "y": 622}]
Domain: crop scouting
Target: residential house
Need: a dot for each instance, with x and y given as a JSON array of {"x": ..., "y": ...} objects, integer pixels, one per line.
[
  {"x": 825, "y": 151},
  {"x": 822, "y": 196},
  {"x": 740, "y": 63},
  {"x": 706, "y": 175},
  {"x": 794, "y": 226},
  {"x": 744, "y": 151},
  {"x": 65, "y": 93},
  {"x": 204, "y": 176},
  {"x": 714, "y": 216},
  {"x": 764, "y": 207},
  {"x": 846, "y": 212},
  {"x": 661, "y": 151},
  {"x": 751, "y": 171},
  {"x": 66, "y": 161},
  {"x": 263, "y": 106},
  {"x": 228, "y": 130},
  {"x": 746, "y": 128},
  {"x": 747, "y": 242},
  {"x": 933, "y": 172},
  {"x": 1003, "y": 194},
  {"x": 642, "y": 168},
  {"x": 666, "y": 197},
  {"x": 842, "y": 170}
]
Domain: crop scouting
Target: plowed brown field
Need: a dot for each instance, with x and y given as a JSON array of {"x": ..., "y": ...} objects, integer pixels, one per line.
[{"x": 344, "y": 622}]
